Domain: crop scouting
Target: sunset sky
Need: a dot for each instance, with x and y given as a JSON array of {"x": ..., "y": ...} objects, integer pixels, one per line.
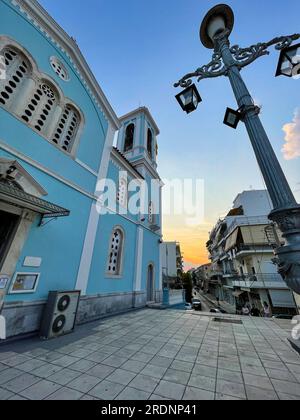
[{"x": 138, "y": 49}]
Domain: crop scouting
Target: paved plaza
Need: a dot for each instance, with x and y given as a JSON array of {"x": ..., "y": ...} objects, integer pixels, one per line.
[{"x": 156, "y": 355}]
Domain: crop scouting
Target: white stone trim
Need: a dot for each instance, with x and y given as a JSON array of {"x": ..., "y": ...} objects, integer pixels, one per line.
[
  {"x": 90, "y": 238},
  {"x": 8, "y": 208},
  {"x": 160, "y": 273},
  {"x": 138, "y": 111},
  {"x": 85, "y": 166},
  {"x": 122, "y": 165},
  {"x": 138, "y": 136},
  {"x": 139, "y": 259},
  {"x": 20, "y": 237},
  {"x": 143, "y": 161}
]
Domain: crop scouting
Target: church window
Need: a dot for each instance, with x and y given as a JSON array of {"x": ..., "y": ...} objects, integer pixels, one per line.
[
  {"x": 151, "y": 213},
  {"x": 41, "y": 107},
  {"x": 129, "y": 137},
  {"x": 59, "y": 69},
  {"x": 149, "y": 143},
  {"x": 115, "y": 252},
  {"x": 67, "y": 128},
  {"x": 34, "y": 99},
  {"x": 122, "y": 194},
  {"x": 15, "y": 76}
]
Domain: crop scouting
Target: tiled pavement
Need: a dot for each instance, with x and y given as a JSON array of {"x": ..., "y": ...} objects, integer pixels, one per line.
[{"x": 152, "y": 354}]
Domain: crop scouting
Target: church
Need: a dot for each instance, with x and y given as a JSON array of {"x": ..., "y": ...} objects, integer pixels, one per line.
[{"x": 80, "y": 195}]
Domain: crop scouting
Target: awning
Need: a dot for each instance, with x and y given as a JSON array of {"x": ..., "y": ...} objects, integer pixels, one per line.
[
  {"x": 254, "y": 235},
  {"x": 231, "y": 240},
  {"x": 282, "y": 298},
  {"x": 19, "y": 198},
  {"x": 238, "y": 293}
]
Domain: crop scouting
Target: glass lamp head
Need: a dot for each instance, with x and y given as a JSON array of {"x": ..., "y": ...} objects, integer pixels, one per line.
[
  {"x": 289, "y": 62},
  {"x": 218, "y": 19},
  {"x": 189, "y": 99}
]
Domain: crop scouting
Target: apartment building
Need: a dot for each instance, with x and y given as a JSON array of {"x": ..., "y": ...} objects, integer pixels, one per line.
[{"x": 241, "y": 252}]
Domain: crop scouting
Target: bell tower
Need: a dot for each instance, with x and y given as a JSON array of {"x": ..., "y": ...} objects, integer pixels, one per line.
[{"x": 137, "y": 139}]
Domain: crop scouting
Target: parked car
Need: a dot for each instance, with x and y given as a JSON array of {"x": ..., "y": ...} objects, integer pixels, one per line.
[
  {"x": 188, "y": 307},
  {"x": 215, "y": 311},
  {"x": 197, "y": 305}
]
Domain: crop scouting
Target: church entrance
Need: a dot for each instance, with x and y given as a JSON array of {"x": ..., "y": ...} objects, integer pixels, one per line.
[
  {"x": 150, "y": 284},
  {"x": 8, "y": 227}
]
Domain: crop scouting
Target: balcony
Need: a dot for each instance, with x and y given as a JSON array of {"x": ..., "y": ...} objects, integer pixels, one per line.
[
  {"x": 260, "y": 281},
  {"x": 229, "y": 274},
  {"x": 216, "y": 273},
  {"x": 247, "y": 221},
  {"x": 246, "y": 250}
]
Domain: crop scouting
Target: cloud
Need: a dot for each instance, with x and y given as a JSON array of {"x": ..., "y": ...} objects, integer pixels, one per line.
[{"x": 291, "y": 149}]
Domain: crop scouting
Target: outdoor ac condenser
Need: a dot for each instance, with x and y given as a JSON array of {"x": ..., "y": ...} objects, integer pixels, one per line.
[{"x": 60, "y": 314}]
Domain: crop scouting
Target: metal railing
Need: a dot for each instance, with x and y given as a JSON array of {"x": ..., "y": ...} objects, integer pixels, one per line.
[
  {"x": 254, "y": 248},
  {"x": 248, "y": 221},
  {"x": 265, "y": 280}
]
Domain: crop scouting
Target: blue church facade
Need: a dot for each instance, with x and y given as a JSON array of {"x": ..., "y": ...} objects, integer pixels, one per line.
[{"x": 59, "y": 228}]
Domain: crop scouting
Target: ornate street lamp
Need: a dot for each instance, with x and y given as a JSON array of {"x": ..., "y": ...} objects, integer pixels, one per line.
[
  {"x": 229, "y": 61},
  {"x": 289, "y": 62},
  {"x": 189, "y": 99}
]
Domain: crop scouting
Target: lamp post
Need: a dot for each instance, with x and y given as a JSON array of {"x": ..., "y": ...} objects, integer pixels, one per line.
[{"x": 229, "y": 61}]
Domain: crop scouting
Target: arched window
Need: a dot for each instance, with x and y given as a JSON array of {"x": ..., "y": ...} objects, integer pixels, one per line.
[
  {"x": 129, "y": 138},
  {"x": 115, "y": 253},
  {"x": 29, "y": 95},
  {"x": 41, "y": 107},
  {"x": 151, "y": 213},
  {"x": 15, "y": 77},
  {"x": 67, "y": 128},
  {"x": 150, "y": 143},
  {"x": 122, "y": 194}
]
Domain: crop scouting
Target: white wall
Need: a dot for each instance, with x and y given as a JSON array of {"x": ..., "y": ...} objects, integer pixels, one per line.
[
  {"x": 168, "y": 256},
  {"x": 255, "y": 203}
]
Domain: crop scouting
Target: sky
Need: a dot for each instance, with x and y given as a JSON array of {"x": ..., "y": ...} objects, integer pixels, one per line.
[{"x": 138, "y": 49}]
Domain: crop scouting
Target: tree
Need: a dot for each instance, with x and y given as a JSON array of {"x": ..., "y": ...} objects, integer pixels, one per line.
[{"x": 188, "y": 286}]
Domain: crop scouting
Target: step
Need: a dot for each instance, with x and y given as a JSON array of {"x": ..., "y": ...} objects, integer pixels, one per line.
[
  {"x": 295, "y": 344},
  {"x": 158, "y": 306}
]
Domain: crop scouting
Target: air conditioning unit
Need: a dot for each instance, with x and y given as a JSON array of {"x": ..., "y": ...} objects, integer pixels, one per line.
[{"x": 60, "y": 314}]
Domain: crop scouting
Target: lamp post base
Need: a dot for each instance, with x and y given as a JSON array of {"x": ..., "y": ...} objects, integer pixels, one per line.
[{"x": 288, "y": 256}]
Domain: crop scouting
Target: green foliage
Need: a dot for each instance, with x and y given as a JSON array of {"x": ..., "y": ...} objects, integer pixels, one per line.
[{"x": 188, "y": 286}]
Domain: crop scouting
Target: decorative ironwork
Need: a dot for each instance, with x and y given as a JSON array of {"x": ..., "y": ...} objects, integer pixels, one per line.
[
  {"x": 245, "y": 56},
  {"x": 242, "y": 58},
  {"x": 215, "y": 68}
]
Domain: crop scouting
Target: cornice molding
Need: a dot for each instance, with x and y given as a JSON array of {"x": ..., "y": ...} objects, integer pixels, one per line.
[
  {"x": 122, "y": 164},
  {"x": 35, "y": 13},
  {"x": 141, "y": 110},
  {"x": 144, "y": 162}
]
